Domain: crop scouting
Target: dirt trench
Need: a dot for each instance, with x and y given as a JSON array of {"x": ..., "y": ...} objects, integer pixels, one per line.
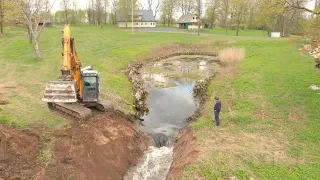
[
  {"x": 185, "y": 152},
  {"x": 104, "y": 147}
]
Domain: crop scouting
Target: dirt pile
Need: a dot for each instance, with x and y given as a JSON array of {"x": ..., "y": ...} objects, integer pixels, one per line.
[
  {"x": 185, "y": 152},
  {"x": 19, "y": 150},
  {"x": 103, "y": 148}
]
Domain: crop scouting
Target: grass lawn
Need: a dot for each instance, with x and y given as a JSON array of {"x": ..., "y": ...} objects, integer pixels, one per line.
[
  {"x": 270, "y": 118},
  {"x": 109, "y": 50},
  {"x": 246, "y": 32}
]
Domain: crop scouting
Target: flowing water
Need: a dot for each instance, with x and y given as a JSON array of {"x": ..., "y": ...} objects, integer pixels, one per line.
[{"x": 170, "y": 103}]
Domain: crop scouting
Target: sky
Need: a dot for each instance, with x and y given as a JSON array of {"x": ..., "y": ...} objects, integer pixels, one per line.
[{"x": 82, "y": 4}]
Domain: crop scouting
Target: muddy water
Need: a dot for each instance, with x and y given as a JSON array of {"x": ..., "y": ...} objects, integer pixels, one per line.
[{"x": 170, "y": 84}]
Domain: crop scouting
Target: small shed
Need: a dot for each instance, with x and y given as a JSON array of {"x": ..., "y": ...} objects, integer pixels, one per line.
[{"x": 189, "y": 21}]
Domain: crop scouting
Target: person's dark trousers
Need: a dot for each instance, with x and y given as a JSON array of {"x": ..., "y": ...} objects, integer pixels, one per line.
[{"x": 216, "y": 116}]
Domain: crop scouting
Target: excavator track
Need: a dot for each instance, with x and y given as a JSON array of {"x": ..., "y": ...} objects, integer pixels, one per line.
[{"x": 74, "y": 110}]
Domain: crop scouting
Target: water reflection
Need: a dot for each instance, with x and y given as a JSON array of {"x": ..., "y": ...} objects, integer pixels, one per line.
[{"x": 169, "y": 108}]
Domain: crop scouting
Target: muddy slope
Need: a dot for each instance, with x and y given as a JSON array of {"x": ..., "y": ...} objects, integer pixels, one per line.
[
  {"x": 185, "y": 152},
  {"x": 19, "y": 150},
  {"x": 104, "y": 147}
]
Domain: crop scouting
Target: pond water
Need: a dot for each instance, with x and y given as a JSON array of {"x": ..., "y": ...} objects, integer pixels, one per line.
[{"x": 170, "y": 85}]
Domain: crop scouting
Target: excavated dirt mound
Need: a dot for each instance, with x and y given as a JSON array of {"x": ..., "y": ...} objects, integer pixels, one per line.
[
  {"x": 19, "y": 151},
  {"x": 185, "y": 152},
  {"x": 103, "y": 148}
]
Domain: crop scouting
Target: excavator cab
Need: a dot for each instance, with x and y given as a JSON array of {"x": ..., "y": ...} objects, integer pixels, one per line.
[{"x": 91, "y": 84}]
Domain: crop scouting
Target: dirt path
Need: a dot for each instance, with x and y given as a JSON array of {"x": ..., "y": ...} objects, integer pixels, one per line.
[{"x": 104, "y": 147}]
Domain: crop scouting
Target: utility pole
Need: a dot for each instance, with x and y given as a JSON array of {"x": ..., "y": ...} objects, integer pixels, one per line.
[{"x": 132, "y": 32}]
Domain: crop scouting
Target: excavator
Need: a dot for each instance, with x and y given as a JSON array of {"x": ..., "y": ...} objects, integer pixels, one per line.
[{"x": 77, "y": 89}]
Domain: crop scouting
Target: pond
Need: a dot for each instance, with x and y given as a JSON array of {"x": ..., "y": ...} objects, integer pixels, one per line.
[{"x": 170, "y": 84}]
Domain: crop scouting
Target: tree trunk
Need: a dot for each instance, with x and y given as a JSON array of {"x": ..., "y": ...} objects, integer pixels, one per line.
[
  {"x": 29, "y": 34},
  {"x": 36, "y": 48},
  {"x": 199, "y": 28},
  {"x": 1, "y": 16}
]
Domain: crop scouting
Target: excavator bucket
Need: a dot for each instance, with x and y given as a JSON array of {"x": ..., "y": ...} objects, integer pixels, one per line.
[{"x": 60, "y": 92}]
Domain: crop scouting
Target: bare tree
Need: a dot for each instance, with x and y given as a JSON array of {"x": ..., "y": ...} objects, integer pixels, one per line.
[
  {"x": 65, "y": 6},
  {"x": 186, "y": 6},
  {"x": 106, "y": 4},
  {"x": 140, "y": 5},
  {"x": 211, "y": 12},
  {"x": 199, "y": 12},
  {"x": 167, "y": 9},
  {"x": 1, "y": 16},
  {"x": 34, "y": 13},
  {"x": 125, "y": 8},
  {"x": 299, "y": 4},
  {"x": 157, "y": 9},
  {"x": 225, "y": 12},
  {"x": 99, "y": 11}
]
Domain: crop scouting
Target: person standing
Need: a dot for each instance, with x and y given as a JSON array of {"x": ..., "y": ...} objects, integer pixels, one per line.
[{"x": 217, "y": 109}]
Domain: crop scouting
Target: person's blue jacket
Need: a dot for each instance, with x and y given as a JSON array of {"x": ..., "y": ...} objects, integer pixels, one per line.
[{"x": 217, "y": 107}]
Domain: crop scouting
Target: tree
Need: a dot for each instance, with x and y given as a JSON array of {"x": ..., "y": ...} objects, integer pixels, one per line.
[
  {"x": 125, "y": 9},
  {"x": 240, "y": 9},
  {"x": 185, "y": 6},
  {"x": 167, "y": 10},
  {"x": 99, "y": 12},
  {"x": 211, "y": 14},
  {"x": 157, "y": 8},
  {"x": 225, "y": 12},
  {"x": 199, "y": 13},
  {"x": 34, "y": 13},
  {"x": 1, "y": 16},
  {"x": 114, "y": 8},
  {"x": 300, "y": 4},
  {"x": 106, "y": 4},
  {"x": 65, "y": 6}
]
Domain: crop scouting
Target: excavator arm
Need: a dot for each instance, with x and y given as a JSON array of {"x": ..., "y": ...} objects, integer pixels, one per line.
[{"x": 69, "y": 86}]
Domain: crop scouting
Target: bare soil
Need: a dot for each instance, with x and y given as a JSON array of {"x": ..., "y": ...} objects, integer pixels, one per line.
[
  {"x": 185, "y": 152},
  {"x": 19, "y": 151},
  {"x": 4, "y": 102},
  {"x": 104, "y": 147}
]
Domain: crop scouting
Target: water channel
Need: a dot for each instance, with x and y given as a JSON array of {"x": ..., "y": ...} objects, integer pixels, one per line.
[{"x": 170, "y": 84}]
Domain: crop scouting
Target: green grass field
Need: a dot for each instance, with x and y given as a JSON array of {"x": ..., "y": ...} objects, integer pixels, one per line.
[
  {"x": 270, "y": 118},
  {"x": 246, "y": 32},
  {"x": 270, "y": 127}
]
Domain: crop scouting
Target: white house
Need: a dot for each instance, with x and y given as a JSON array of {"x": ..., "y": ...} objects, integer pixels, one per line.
[
  {"x": 141, "y": 19},
  {"x": 189, "y": 21}
]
